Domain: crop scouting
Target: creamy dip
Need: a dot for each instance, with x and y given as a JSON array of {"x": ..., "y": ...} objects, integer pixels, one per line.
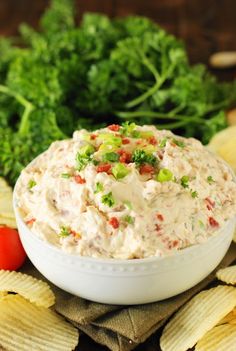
[{"x": 126, "y": 192}]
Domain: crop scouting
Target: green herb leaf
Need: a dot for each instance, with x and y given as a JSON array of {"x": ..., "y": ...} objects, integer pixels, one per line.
[
  {"x": 179, "y": 143},
  {"x": 194, "y": 194},
  {"x": 65, "y": 231},
  {"x": 65, "y": 175},
  {"x": 140, "y": 157},
  {"x": 210, "y": 180},
  {"x": 129, "y": 219},
  {"x": 31, "y": 184},
  {"x": 184, "y": 181},
  {"x": 108, "y": 199},
  {"x": 99, "y": 187},
  {"x": 163, "y": 143}
]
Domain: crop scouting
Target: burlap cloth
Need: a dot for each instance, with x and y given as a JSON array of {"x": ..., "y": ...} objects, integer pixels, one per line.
[{"x": 122, "y": 328}]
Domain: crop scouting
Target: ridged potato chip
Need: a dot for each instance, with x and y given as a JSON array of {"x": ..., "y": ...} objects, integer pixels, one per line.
[
  {"x": 220, "y": 338},
  {"x": 227, "y": 275},
  {"x": 34, "y": 290},
  {"x": 197, "y": 317},
  {"x": 224, "y": 144},
  {"x": 27, "y": 327},
  {"x": 230, "y": 317}
]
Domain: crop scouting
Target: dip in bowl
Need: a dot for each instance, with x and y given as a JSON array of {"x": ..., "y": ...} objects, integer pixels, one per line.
[{"x": 126, "y": 214}]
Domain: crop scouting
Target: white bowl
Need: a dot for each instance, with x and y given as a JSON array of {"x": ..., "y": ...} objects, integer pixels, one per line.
[{"x": 128, "y": 282}]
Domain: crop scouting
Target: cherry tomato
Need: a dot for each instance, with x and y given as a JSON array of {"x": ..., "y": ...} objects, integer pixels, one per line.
[{"x": 12, "y": 253}]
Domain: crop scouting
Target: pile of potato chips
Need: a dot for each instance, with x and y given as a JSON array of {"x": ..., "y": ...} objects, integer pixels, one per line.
[
  {"x": 26, "y": 321},
  {"x": 7, "y": 216},
  {"x": 208, "y": 320}
]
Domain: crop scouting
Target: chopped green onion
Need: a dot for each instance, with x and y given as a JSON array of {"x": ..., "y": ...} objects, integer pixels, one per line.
[
  {"x": 99, "y": 187},
  {"x": 140, "y": 157},
  {"x": 147, "y": 148},
  {"x": 163, "y": 143},
  {"x": 82, "y": 161},
  {"x": 210, "y": 180},
  {"x": 194, "y": 194},
  {"x": 164, "y": 175},
  {"x": 31, "y": 184},
  {"x": 129, "y": 219},
  {"x": 108, "y": 199},
  {"x": 65, "y": 231},
  {"x": 110, "y": 157},
  {"x": 143, "y": 134},
  {"x": 109, "y": 138},
  {"x": 65, "y": 175},
  {"x": 120, "y": 171},
  {"x": 86, "y": 150},
  {"x": 184, "y": 181},
  {"x": 179, "y": 143}
]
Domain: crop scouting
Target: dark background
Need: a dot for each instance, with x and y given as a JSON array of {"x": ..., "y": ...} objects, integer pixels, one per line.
[{"x": 206, "y": 26}]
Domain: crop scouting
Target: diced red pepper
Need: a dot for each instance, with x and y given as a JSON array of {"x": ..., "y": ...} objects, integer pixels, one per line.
[
  {"x": 152, "y": 140},
  {"x": 93, "y": 136},
  {"x": 125, "y": 156},
  {"x": 213, "y": 223},
  {"x": 160, "y": 217},
  {"x": 146, "y": 168},
  {"x": 31, "y": 221},
  {"x": 79, "y": 179},
  {"x": 114, "y": 127},
  {"x": 125, "y": 141},
  {"x": 106, "y": 167},
  {"x": 114, "y": 222},
  {"x": 76, "y": 235}
]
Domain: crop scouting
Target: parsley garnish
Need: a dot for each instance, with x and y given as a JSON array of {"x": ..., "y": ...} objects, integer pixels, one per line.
[
  {"x": 65, "y": 175},
  {"x": 65, "y": 231},
  {"x": 184, "y": 181},
  {"x": 99, "y": 187},
  {"x": 108, "y": 199},
  {"x": 163, "y": 143},
  {"x": 194, "y": 194},
  {"x": 179, "y": 143},
  {"x": 31, "y": 184},
  {"x": 210, "y": 180},
  {"x": 129, "y": 219},
  {"x": 82, "y": 161},
  {"x": 140, "y": 157}
]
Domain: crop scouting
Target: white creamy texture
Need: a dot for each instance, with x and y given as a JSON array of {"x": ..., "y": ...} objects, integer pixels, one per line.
[{"x": 162, "y": 216}]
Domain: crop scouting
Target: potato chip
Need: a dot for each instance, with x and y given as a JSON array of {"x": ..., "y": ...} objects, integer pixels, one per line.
[
  {"x": 27, "y": 327},
  {"x": 30, "y": 288},
  {"x": 197, "y": 317},
  {"x": 227, "y": 275},
  {"x": 224, "y": 144},
  {"x": 231, "y": 316},
  {"x": 220, "y": 338}
]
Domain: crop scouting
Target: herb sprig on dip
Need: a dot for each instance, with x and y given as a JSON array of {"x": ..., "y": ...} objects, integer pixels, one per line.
[{"x": 65, "y": 77}]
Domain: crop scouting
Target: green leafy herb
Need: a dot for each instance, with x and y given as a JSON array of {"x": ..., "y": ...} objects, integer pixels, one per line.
[
  {"x": 184, "y": 181},
  {"x": 164, "y": 175},
  {"x": 65, "y": 175},
  {"x": 31, "y": 184},
  {"x": 163, "y": 143},
  {"x": 129, "y": 219},
  {"x": 194, "y": 194},
  {"x": 210, "y": 180},
  {"x": 64, "y": 232},
  {"x": 179, "y": 143},
  {"x": 108, "y": 199},
  {"x": 141, "y": 157},
  {"x": 120, "y": 171},
  {"x": 110, "y": 157},
  {"x": 99, "y": 187}
]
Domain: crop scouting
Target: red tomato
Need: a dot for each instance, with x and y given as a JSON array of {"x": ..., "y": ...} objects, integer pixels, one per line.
[{"x": 12, "y": 254}]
